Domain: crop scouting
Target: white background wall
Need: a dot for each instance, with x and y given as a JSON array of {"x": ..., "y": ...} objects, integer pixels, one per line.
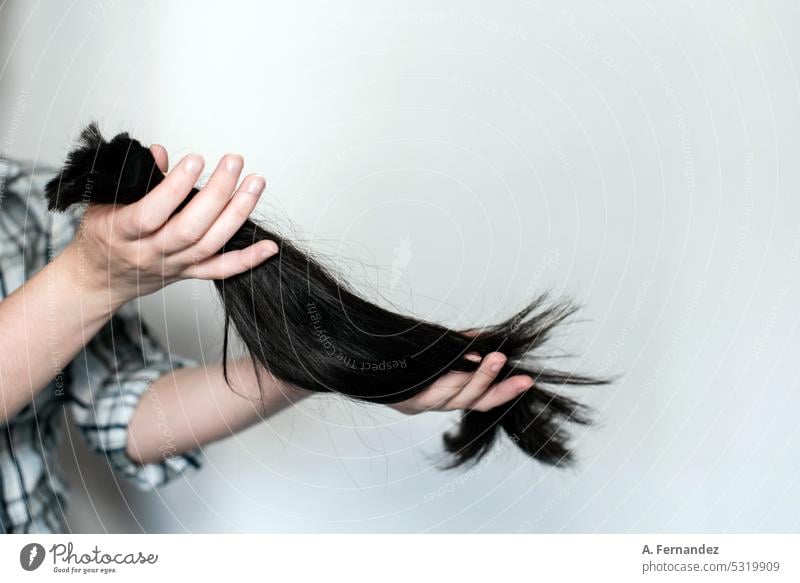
[{"x": 642, "y": 157}]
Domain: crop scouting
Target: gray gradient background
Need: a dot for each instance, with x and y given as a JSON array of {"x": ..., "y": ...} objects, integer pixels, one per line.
[{"x": 453, "y": 157}]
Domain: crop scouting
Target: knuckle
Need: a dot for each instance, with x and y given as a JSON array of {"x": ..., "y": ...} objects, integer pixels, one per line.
[
  {"x": 188, "y": 233},
  {"x": 193, "y": 257},
  {"x": 241, "y": 212},
  {"x": 196, "y": 270},
  {"x": 483, "y": 377},
  {"x": 449, "y": 397},
  {"x": 202, "y": 250},
  {"x": 145, "y": 258},
  {"x": 245, "y": 263},
  {"x": 145, "y": 222},
  {"x": 456, "y": 404},
  {"x": 447, "y": 391},
  {"x": 214, "y": 190}
]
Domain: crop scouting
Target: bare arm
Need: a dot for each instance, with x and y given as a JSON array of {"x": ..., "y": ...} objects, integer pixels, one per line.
[
  {"x": 46, "y": 322},
  {"x": 194, "y": 406}
]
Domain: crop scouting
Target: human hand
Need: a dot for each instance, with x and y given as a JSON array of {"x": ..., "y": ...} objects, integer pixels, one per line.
[
  {"x": 474, "y": 391},
  {"x": 133, "y": 250}
]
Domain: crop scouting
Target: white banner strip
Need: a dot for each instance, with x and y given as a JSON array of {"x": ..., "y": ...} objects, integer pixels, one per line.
[{"x": 400, "y": 558}]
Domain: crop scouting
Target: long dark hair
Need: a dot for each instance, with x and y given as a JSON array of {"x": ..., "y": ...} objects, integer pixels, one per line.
[{"x": 305, "y": 326}]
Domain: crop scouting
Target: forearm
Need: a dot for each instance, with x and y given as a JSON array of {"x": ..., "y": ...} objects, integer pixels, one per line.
[
  {"x": 45, "y": 323},
  {"x": 195, "y": 406}
]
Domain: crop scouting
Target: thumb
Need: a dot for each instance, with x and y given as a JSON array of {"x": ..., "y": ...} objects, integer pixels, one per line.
[{"x": 162, "y": 158}]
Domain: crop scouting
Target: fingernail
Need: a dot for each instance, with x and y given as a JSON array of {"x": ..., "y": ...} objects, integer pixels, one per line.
[
  {"x": 270, "y": 248},
  {"x": 473, "y": 357},
  {"x": 233, "y": 163},
  {"x": 496, "y": 366},
  {"x": 192, "y": 163},
  {"x": 256, "y": 185},
  {"x": 525, "y": 387}
]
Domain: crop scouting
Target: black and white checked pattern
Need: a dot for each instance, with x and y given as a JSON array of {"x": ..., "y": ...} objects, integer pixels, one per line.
[{"x": 101, "y": 388}]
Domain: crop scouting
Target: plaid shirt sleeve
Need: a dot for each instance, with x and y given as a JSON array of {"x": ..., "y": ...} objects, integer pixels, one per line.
[{"x": 109, "y": 378}]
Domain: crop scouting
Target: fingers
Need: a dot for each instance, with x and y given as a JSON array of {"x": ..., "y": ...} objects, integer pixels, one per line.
[
  {"x": 151, "y": 212},
  {"x": 232, "y": 218},
  {"x": 481, "y": 393},
  {"x": 192, "y": 223},
  {"x": 503, "y": 392},
  {"x": 457, "y": 390},
  {"x": 162, "y": 158},
  {"x": 479, "y": 383},
  {"x": 472, "y": 356},
  {"x": 475, "y": 391},
  {"x": 232, "y": 262},
  {"x": 440, "y": 393}
]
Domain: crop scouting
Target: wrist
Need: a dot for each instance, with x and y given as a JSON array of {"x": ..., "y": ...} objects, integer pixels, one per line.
[{"x": 87, "y": 279}]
